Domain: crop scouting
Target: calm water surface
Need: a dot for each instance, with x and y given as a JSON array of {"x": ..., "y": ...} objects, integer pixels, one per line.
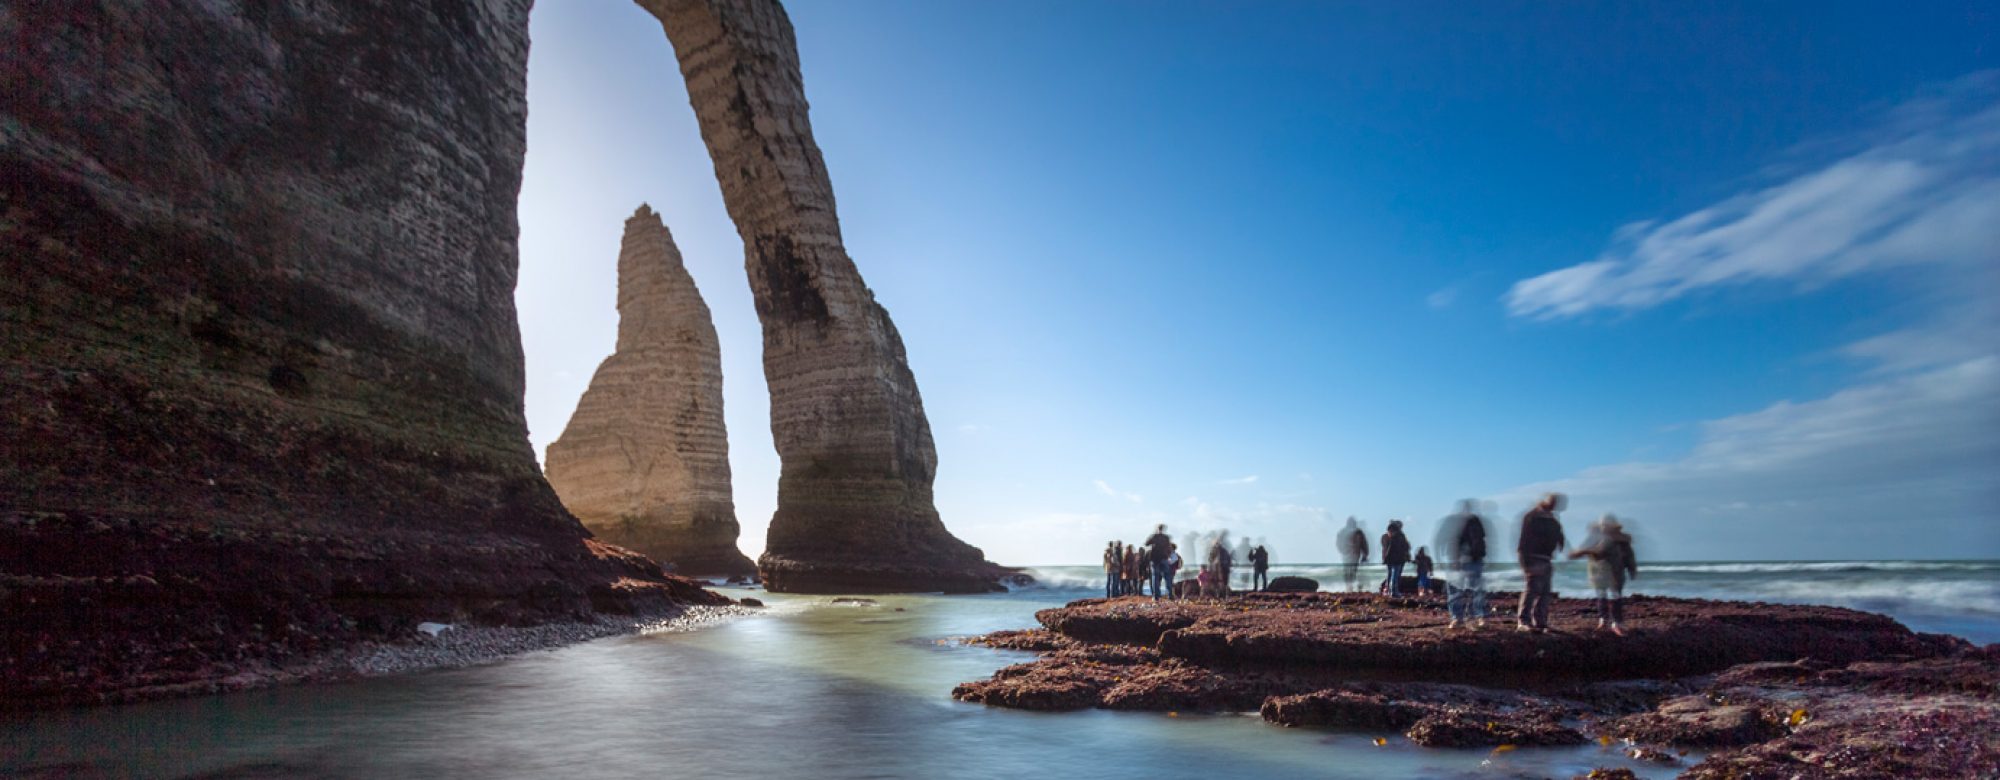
[{"x": 808, "y": 689}]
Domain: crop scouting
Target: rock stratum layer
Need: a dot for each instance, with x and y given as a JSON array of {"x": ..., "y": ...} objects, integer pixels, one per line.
[
  {"x": 644, "y": 462},
  {"x": 1776, "y": 691},
  {"x": 855, "y": 511},
  {"x": 263, "y": 381}
]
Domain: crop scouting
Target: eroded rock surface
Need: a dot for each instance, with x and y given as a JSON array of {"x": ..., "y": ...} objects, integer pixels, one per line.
[
  {"x": 855, "y": 510},
  {"x": 644, "y": 461},
  {"x": 263, "y": 385},
  {"x": 1782, "y": 691}
]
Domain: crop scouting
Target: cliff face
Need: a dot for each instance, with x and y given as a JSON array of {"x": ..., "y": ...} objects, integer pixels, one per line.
[
  {"x": 263, "y": 384},
  {"x": 854, "y": 497},
  {"x": 644, "y": 462}
]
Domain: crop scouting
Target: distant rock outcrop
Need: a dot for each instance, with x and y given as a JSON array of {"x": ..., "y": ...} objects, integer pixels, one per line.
[
  {"x": 855, "y": 512},
  {"x": 263, "y": 381},
  {"x": 644, "y": 462}
]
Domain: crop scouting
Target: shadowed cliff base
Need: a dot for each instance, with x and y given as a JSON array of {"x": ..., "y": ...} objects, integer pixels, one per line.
[
  {"x": 855, "y": 509},
  {"x": 1776, "y": 691},
  {"x": 262, "y": 396},
  {"x": 644, "y": 460}
]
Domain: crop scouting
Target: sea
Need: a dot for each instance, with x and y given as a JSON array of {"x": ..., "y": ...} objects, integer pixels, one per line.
[{"x": 810, "y": 688}]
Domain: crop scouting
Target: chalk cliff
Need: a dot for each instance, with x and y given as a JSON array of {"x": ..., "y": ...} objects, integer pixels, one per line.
[
  {"x": 855, "y": 511},
  {"x": 644, "y": 462},
  {"x": 263, "y": 380}
]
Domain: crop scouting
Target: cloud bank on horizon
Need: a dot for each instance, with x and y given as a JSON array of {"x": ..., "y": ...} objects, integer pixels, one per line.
[{"x": 1917, "y": 434}]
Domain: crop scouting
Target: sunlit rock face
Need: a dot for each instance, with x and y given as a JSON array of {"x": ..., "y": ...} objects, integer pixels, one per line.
[
  {"x": 262, "y": 393},
  {"x": 855, "y": 511},
  {"x": 644, "y": 462}
]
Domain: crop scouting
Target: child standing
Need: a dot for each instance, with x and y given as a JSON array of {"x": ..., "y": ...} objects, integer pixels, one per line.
[{"x": 1611, "y": 564}]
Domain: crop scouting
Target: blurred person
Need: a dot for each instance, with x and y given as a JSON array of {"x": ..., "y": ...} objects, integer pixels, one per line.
[
  {"x": 1134, "y": 561},
  {"x": 1463, "y": 541},
  {"x": 1541, "y": 537},
  {"x": 1159, "y": 547},
  {"x": 1113, "y": 569},
  {"x": 1173, "y": 570},
  {"x": 1353, "y": 545},
  {"x": 1260, "y": 567},
  {"x": 1204, "y": 583},
  {"x": 1424, "y": 565},
  {"x": 1395, "y": 554},
  {"x": 1219, "y": 563},
  {"x": 1612, "y": 561}
]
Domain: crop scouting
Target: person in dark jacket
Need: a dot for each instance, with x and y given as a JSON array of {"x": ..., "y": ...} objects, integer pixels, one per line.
[
  {"x": 1424, "y": 565},
  {"x": 1463, "y": 542},
  {"x": 1353, "y": 544},
  {"x": 1609, "y": 549},
  {"x": 1541, "y": 537},
  {"x": 1160, "y": 548},
  {"x": 1260, "y": 567},
  {"x": 1113, "y": 569},
  {"x": 1395, "y": 553}
]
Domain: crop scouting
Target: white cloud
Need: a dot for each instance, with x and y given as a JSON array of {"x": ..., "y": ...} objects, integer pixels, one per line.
[
  {"x": 1903, "y": 465},
  {"x": 1926, "y": 190},
  {"x": 1240, "y": 480},
  {"x": 1107, "y": 489},
  {"x": 1442, "y": 298}
]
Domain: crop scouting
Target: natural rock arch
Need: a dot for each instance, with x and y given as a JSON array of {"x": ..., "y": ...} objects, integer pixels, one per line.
[{"x": 855, "y": 509}]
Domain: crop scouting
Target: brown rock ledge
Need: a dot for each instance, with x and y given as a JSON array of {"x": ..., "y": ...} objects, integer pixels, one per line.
[{"x": 1801, "y": 691}]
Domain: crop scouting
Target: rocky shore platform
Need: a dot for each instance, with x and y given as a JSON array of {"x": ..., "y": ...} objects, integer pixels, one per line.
[{"x": 1762, "y": 690}]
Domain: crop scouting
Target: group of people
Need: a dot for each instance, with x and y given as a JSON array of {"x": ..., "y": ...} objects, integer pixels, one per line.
[
  {"x": 1608, "y": 549},
  {"x": 1128, "y": 569},
  {"x": 1461, "y": 540}
]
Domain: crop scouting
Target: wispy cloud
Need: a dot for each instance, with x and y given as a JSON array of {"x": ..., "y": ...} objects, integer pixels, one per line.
[
  {"x": 1924, "y": 188},
  {"x": 1107, "y": 489},
  {"x": 1906, "y": 464},
  {"x": 1252, "y": 479},
  {"x": 1441, "y": 299}
]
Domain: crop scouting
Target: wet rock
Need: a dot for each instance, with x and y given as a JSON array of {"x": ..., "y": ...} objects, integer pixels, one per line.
[
  {"x": 1700, "y": 721},
  {"x": 1292, "y": 585},
  {"x": 750, "y": 602},
  {"x": 1457, "y": 727},
  {"x": 644, "y": 460},
  {"x": 1606, "y": 773},
  {"x": 855, "y": 507},
  {"x": 1342, "y": 709}
]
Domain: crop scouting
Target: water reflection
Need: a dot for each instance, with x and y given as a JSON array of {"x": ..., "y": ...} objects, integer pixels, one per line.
[{"x": 811, "y": 690}]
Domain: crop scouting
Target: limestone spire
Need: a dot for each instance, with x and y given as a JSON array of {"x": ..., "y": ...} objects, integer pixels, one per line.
[{"x": 644, "y": 462}]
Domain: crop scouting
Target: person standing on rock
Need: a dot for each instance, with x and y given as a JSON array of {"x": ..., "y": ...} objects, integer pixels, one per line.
[
  {"x": 1609, "y": 549},
  {"x": 1353, "y": 544},
  {"x": 1260, "y": 567},
  {"x": 1174, "y": 570},
  {"x": 1219, "y": 563},
  {"x": 1541, "y": 537},
  {"x": 1424, "y": 564},
  {"x": 1464, "y": 545},
  {"x": 1113, "y": 569},
  {"x": 1159, "y": 552},
  {"x": 1395, "y": 553}
]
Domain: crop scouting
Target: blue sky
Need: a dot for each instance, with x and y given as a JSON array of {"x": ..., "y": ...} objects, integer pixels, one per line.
[{"x": 1728, "y": 272}]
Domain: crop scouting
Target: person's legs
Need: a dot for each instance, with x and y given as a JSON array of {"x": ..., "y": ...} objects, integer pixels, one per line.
[
  {"x": 1544, "y": 594},
  {"x": 1110, "y": 584},
  {"x": 1395, "y": 579},
  {"x": 1475, "y": 581},
  {"x": 1618, "y": 612},
  {"x": 1423, "y": 584},
  {"x": 1534, "y": 609},
  {"x": 1603, "y": 608},
  {"x": 1348, "y": 572},
  {"x": 1161, "y": 579},
  {"x": 1455, "y": 598}
]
